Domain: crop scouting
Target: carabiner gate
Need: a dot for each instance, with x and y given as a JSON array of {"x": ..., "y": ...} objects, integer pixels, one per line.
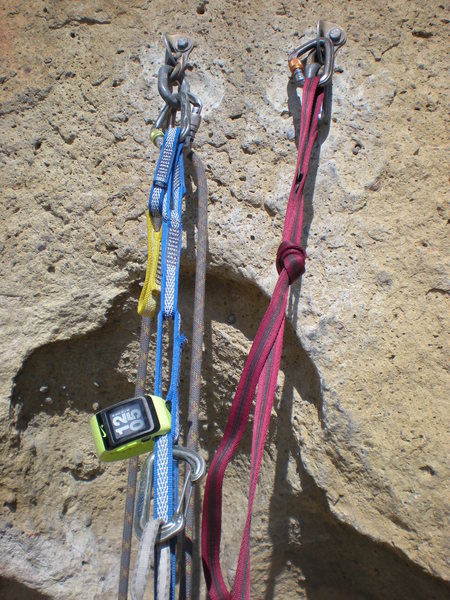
[{"x": 197, "y": 468}]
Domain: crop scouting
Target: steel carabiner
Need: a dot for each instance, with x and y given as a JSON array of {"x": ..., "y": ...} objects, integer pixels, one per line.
[
  {"x": 196, "y": 113},
  {"x": 321, "y": 46}
]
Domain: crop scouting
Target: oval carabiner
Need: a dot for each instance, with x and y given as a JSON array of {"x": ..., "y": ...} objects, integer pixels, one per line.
[
  {"x": 162, "y": 122},
  {"x": 144, "y": 493},
  {"x": 163, "y": 87}
]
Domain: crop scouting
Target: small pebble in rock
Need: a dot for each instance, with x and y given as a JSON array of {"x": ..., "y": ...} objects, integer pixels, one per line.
[
  {"x": 87, "y": 521},
  {"x": 290, "y": 133}
]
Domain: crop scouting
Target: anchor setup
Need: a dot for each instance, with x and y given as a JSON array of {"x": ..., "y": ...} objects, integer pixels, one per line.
[
  {"x": 151, "y": 422},
  {"x": 158, "y": 508}
]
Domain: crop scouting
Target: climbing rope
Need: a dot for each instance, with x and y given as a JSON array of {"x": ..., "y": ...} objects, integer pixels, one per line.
[
  {"x": 158, "y": 534},
  {"x": 133, "y": 467},
  {"x": 312, "y": 67},
  {"x": 191, "y": 568},
  {"x": 262, "y": 365}
]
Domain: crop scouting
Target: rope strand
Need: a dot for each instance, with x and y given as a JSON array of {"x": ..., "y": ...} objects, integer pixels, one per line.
[
  {"x": 133, "y": 467},
  {"x": 191, "y": 572}
]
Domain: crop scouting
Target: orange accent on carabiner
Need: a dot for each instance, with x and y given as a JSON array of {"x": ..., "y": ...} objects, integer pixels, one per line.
[{"x": 296, "y": 63}]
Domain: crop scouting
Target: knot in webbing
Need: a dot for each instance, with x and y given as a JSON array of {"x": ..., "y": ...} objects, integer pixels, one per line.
[{"x": 292, "y": 258}]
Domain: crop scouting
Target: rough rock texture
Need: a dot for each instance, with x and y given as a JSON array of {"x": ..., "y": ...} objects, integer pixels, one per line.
[{"x": 354, "y": 485}]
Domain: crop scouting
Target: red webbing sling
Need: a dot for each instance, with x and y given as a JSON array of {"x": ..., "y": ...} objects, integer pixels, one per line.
[{"x": 260, "y": 370}]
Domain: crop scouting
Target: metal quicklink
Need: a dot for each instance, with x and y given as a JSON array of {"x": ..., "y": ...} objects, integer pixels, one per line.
[
  {"x": 184, "y": 101},
  {"x": 316, "y": 57},
  {"x": 319, "y": 46}
]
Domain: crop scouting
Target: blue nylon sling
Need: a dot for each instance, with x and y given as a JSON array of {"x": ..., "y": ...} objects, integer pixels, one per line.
[{"x": 166, "y": 200}]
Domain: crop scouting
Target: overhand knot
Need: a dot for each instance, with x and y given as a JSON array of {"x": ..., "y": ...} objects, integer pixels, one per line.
[{"x": 292, "y": 258}]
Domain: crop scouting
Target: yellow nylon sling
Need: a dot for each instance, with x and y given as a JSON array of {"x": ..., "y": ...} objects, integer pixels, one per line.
[{"x": 148, "y": 299}]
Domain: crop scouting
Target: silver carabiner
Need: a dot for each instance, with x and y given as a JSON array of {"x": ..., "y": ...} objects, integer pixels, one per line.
[
  {"x": 162, "y": 122},
  {"x": 324, "y": 47},
  {"x": 185, "y": 115},
  {"x": 164, "y": 87},
  {"x": 196, "y": 113},
  {"x": 176, "y": 524}
]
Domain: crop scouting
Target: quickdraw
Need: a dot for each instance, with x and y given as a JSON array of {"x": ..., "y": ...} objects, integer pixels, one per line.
[{"x": 312, "y": 67}]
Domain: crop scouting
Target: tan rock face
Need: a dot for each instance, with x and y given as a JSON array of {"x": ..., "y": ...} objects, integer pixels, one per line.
[{"x": 354, "y": 484}]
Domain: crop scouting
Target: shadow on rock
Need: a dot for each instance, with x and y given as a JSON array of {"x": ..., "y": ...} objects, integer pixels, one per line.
[
  {"x": 10, "y": 589},
  {"x": 336, "y": 561},
  {"x": 76, "y": 373}
]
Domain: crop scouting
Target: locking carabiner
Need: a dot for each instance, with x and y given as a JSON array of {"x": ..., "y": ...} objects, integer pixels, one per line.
[
  {"x": 196, "y": 113},
  {"x": 322, "y": 55}
]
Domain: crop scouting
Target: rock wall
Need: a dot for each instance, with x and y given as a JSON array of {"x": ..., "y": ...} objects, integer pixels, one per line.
[{"x": 354, "y": 483}]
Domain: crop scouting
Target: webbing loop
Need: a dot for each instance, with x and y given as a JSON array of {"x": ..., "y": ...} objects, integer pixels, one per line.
[
  {"x": 164, "y": 228},
  {"x": 166, "y": 468},
  {"x": 170, "y": 170},
  {"x": 260, "y": 372},
  {"x": 148, "y": 300}
]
